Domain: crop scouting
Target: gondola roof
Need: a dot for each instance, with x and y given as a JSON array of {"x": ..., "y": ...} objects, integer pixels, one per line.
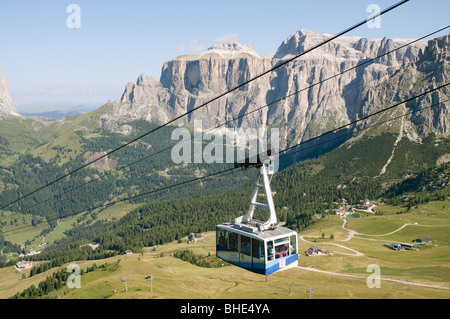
[{"x": 266, "y": 234}]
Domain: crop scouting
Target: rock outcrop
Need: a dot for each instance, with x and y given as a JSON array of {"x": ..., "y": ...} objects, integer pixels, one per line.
[
  {"x": 6, "y": 106},
  {"x": 146, "y": 99}
]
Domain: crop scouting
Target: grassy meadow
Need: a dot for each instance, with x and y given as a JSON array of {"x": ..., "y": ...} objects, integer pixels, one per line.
[{"x": 177, "y": 279}]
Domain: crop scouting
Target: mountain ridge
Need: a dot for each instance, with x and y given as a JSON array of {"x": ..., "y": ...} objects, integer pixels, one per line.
[{"x": 188, "y": 81}]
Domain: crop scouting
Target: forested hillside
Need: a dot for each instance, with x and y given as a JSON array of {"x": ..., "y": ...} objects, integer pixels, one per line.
[
  {"x": 128, "y": 172},
  {"x": 301, "y": 191}
]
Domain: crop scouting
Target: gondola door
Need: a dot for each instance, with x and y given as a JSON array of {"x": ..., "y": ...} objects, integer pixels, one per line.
[
  {"x": 258, "y": 262},
  {"x": 245, "y": 255}
]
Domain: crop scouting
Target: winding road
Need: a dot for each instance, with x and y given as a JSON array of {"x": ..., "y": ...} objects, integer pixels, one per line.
[
  {"x": 381, "y": 278},
  {"x": 351, "y": 234}
]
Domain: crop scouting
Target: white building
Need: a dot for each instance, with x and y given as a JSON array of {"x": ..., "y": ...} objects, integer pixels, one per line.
[{"x": 23, "y": 264}]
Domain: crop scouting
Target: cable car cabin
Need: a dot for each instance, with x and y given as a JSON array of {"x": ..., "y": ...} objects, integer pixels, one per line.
[
  {"x": 261, "y": 247},
  {"x": 265, "y": 252}
]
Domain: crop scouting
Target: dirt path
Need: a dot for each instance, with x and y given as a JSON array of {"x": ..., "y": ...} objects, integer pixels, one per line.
[
  {"x": 351, "y": 234},
  {"x": 400, "y": 136},
  {"x": 382, "y": 278},
  {"x": 392, "y": 232}
]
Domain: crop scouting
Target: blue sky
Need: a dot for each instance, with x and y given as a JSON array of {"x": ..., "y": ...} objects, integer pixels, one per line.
[{"x": 46, "y": 63}]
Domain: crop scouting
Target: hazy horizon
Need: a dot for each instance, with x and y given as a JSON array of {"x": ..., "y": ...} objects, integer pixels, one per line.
[{"x": 47, "y": 64}]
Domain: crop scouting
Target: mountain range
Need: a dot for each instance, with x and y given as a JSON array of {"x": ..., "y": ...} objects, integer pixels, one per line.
[
  {"x": 304, "y": 98},
  {"x": 392, "y": 157},
  {"x": 324, "y": 99},
  {"x": 345, "y": 80}
]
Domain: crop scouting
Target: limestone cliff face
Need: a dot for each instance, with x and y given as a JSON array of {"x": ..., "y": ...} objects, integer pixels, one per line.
[
  {"x": 325, "y": 101},
  {"x": 434, "y": 65},
  {"x": 189, "y": 81},
  {"x": 146, "y": 99},
  {"x": 6, "y": 106},
  {"x": 424, "y": 71},
  {"x": 314, "y": 105},
  {"x": 193, "y": 80}
]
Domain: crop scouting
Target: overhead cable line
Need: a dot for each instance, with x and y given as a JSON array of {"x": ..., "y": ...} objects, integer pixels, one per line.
[
  {"x": 361, "y": 129},
  {"x": 366, "y": 117},
  {"x": 281, "y": 153},
  {"x": 280, "y": 64},
  {"x": 246, "y": 114}
]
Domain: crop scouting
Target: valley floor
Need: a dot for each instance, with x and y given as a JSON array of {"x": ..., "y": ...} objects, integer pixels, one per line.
[
  {"x": 351, "y": 234},
  {"x": 343, "y": 274}
]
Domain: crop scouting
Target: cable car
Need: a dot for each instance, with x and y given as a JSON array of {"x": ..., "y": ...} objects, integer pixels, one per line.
[{"x": 258, "y": 246}]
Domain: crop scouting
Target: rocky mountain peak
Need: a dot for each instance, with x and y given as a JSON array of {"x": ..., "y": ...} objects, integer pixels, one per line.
[
  {"x": 232, "y": 46},
  {"x": 217, "y": 69},
  {"x": 230, "y": 50},
  {"x": 298, "y": 42},
  {"x": 187, "y": 81},
  {"x": 145, "y": 88},
  {"x": 437, "y": 49},
  {"x": 145, "y": 80}
]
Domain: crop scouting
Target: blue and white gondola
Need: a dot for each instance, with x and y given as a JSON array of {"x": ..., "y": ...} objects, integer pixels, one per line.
[{"x": 261, "y": 247}]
